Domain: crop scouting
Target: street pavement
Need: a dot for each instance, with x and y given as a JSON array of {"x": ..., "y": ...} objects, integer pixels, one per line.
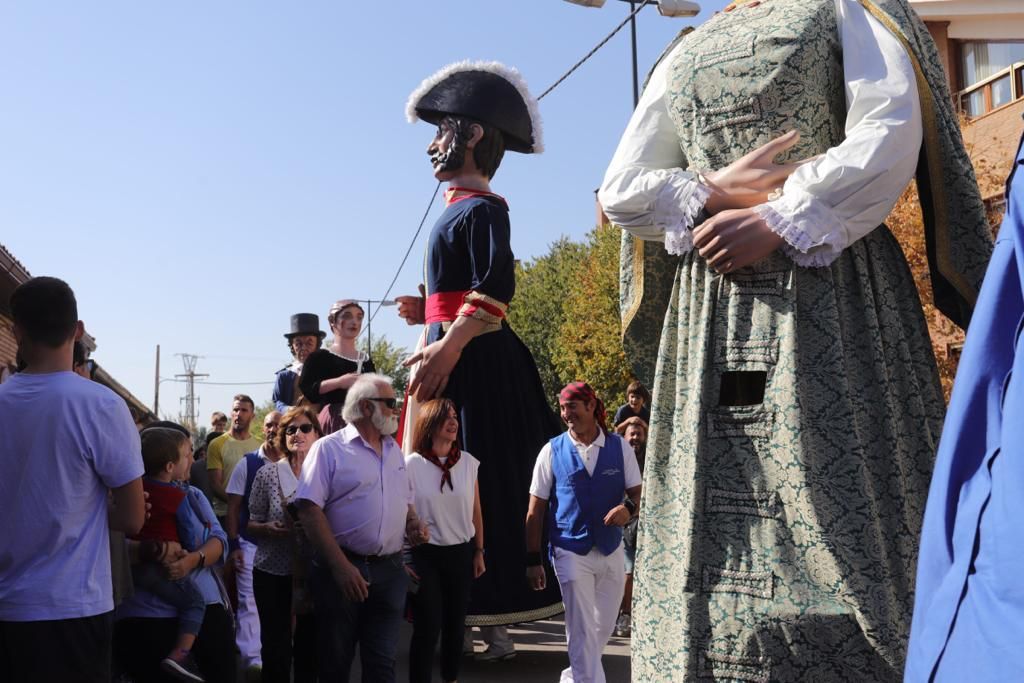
[{"x": 540, "y": 657}]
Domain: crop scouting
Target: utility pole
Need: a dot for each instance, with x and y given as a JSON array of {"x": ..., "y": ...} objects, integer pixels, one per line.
[
  {"x": 190, "y": 399},
  {"x": 156, "y": 385}
]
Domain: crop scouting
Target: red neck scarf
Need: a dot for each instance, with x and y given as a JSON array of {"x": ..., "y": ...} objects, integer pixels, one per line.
[{"x": 453, "y": 459}]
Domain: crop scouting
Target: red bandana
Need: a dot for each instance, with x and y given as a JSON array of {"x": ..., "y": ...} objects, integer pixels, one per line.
[
  {"x": 453, "y": 459},
  {"x": 581, "y": 391}
]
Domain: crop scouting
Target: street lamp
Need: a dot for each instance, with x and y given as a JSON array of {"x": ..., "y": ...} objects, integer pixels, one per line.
[
  {"x": 369, "y": 320},
  {"x": 666, "y": 8}
]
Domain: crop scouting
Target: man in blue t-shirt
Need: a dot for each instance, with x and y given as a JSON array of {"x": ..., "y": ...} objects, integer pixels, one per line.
[
  {"x": 579, "y": 483},
  {"x": 65, "y": 442}
]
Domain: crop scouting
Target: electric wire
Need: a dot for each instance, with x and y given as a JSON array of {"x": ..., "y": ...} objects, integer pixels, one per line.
[{"x": 430, "y": 205}]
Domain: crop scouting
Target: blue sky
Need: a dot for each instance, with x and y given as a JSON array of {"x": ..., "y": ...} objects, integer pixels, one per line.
[{"x": 200, "y": 171}]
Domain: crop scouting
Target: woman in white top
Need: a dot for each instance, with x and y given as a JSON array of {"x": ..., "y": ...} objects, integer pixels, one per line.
[
  {"x": 448, "y": 500},
  {"x": 278, "y": 576}
]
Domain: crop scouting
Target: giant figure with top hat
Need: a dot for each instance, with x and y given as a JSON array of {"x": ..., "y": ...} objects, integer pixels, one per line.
[
  {"x": 796, "y": 404},
  {"x": 468, "y": 352}
]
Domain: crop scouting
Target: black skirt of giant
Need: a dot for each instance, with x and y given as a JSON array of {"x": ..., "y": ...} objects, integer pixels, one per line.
[{"x": 504, "y": 417}]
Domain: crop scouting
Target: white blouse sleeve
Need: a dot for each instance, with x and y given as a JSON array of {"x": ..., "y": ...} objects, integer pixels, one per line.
[
  {"x": 646, "y": 189},
  {"x": 830, "y": 203}
]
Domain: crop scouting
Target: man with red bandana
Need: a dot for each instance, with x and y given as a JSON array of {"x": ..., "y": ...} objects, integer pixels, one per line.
[{"x": 581, "y": 476}]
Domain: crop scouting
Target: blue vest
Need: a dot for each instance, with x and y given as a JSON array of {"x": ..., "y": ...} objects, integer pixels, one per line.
[
  {"x": 253, "y": 463},
  {"x": 580, "y": 501}
]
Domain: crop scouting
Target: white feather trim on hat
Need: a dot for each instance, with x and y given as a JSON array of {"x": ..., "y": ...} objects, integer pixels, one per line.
[{"x": 510, "y": 74}]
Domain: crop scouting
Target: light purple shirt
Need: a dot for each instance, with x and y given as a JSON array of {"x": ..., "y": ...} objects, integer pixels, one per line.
[
  {"x": 64, "y": 441},
  {"x": 365, "y": 497}
]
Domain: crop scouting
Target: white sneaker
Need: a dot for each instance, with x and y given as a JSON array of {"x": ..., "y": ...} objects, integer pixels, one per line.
[
  {"x": 622, "y": 626},
  {"x": 496, "y": 653}
]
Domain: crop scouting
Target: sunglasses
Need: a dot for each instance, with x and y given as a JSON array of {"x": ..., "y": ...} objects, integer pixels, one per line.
[
  {"x": 389, "y": 402},
  {"x": 305, "y": 429}
]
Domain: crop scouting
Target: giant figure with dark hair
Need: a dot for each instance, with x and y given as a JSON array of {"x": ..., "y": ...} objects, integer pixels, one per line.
[{"x": 468, "y": 352}]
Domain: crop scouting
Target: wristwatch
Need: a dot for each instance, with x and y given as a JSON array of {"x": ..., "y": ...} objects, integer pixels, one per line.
[
  {"x": 202, "y": 560},
  {"x": 630, "y": 506}
]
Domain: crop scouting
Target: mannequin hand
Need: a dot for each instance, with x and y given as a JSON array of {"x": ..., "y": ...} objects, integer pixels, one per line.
[
  {"x": 536, "y": 577},
  {"x": 734, "y": 239},
  {"x": 617, "y": 516},
  {"x": 749, "y": 180},
  {"x": 436, "y": 361},
  {"x": 411, "y": 308}
]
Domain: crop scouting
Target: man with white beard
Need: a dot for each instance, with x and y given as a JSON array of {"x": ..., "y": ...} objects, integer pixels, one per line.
[{"x": 356, "y": 504}]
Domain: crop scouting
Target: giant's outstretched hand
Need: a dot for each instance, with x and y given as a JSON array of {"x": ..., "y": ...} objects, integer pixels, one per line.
[
  {"x": 749, "y": 180},
  {"x": 412, "y": 308},
  {"x": 734, "y": 239}
]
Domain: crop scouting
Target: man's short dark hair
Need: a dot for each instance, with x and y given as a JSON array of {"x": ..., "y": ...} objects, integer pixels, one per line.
[
  {"x": 488, "y": 152},
  {"x": 46, "y": 310},
  {"x": 244, "y": 399}
]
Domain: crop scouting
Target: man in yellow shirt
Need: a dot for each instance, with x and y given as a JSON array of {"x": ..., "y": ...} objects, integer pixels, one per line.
[{"x": 222, "y": 455}]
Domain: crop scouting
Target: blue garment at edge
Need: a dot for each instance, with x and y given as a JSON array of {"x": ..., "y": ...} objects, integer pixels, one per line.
[
  {"x": 284, "y": 389},
  {"x": 969, "y": 611},
  {"x": 579, "y": 501}
]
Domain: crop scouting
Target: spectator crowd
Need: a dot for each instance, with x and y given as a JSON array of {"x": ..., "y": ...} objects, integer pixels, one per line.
[{"x": 142, "y": 556}]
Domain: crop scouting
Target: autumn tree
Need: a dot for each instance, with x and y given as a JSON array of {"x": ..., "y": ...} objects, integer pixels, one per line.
[
  {"x": 537, "y": 311},
  {"x": 588, "y": 344}
]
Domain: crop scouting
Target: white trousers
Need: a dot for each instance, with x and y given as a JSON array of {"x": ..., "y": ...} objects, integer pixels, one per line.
[
  {"x": 247, "y": 632},
  {"x": 592, "y": 586}
]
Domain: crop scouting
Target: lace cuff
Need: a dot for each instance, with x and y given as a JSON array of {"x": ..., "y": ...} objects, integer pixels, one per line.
[
  {"x": 678, "y": 233},
  {"x": 814, "y": 236}
]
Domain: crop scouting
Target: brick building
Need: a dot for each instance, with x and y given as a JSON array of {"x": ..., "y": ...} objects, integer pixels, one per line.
[
  {"x": 982, "y": 47},
  {"x": 12, "y": 274}
]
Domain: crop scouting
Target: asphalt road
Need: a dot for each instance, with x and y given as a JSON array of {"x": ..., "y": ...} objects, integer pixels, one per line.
[{"x": 540, "y": 657}]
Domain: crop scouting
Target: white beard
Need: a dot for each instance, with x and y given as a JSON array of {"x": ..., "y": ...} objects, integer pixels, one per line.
[{"x": 385, "y": 425}]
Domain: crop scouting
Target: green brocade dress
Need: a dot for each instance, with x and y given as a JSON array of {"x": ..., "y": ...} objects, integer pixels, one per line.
[{"x": 778, "y": 534}]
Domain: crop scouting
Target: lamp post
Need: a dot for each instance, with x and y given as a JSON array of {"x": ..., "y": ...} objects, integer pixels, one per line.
[
  {"x": 369, "y": 321},
  {"x": 666, "y": 8}
]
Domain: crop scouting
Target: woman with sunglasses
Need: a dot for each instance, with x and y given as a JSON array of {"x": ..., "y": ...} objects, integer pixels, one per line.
[
  {"x": 448, "y": 501},
  {"x": 279, "y": 570}
]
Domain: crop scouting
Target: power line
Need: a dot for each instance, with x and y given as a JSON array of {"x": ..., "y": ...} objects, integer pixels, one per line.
[{"x": 430, "y": 204}]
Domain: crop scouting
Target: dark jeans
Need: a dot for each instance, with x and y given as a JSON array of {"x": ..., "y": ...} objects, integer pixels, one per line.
[
  {"x": 373, "y": 624},
  {"x": 71, "y": 650},
  {"x": 274, "y": 603},
  {"x": 183, "y": 594},
  {"x": 140, "y": 644},
  {"x": 439, "y": 608}
]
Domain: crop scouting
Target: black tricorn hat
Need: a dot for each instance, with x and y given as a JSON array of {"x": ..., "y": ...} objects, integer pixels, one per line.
[
  {"x": 305, "y": 323},
  {"x": 486, "y": 91}
]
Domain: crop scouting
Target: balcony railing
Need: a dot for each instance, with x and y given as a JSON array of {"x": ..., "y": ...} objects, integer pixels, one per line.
[{"x": 1002, "y": 87}]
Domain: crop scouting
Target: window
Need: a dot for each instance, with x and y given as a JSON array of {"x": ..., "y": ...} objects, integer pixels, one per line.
[
  {"x": 991, "y": 75},
  {"x": 981, "y": 60}
]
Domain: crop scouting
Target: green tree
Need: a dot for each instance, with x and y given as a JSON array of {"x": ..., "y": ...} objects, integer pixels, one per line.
[
  {"x": 588, "y": 342},
  {"x": 537, "y": 311},
  {"x": 387, "y": 358}
]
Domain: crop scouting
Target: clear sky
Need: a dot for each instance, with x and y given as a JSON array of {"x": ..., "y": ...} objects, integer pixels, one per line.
[{"x": 200, "y": 171}]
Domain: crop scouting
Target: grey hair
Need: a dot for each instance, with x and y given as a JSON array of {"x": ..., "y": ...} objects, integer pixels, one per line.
[{"x": 366, "y": 387}]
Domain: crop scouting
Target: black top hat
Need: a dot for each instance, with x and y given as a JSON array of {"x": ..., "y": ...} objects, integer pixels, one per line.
[
  {"x": 486, "y": 91},
  {"x": 305, "y": 323}
]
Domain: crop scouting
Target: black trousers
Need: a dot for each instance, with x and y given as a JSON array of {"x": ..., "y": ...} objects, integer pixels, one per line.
[
  {"x": 273, "y": 595},
  {"x": 71, "y": 650},
  {"x": 439, "y": 608},
  {"x": 140, "y": 644}
]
